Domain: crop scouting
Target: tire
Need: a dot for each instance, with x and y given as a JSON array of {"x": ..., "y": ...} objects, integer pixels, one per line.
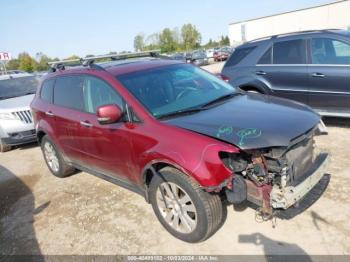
[
  {"x": 4, "y": 147},
  {"x": 58, "y": 166},
  {"x": 204, "y": 210}
]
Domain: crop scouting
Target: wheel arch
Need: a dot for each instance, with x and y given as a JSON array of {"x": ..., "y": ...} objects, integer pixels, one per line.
[{"x": 152, "y": 169}]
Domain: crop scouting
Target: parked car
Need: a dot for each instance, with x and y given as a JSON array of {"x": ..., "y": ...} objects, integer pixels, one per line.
[
  {"x": 221, "y": 55},
  {"x": 210, "y": 53},
  {"x": 310, "y": 67},
  {"x": 182, "y": 138},
  {"x": 199, "y": 58},
  {"x": 16, "y": 125},
  {"x": 178, "y": 56}
]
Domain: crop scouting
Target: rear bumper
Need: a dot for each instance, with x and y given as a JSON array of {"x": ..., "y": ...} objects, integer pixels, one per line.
[
  {"x": 284, "y": 198},
  {"x": 20, "y": 138}
]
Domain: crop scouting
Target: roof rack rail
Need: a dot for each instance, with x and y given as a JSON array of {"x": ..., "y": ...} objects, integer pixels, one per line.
[
  {"x": 89, "y": 61},
  {"x": 291, "y": 33}
]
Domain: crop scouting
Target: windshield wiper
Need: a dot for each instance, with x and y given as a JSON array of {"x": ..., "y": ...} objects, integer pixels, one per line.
[
  {"x": 220, "y": 99},
  {"x": 181, "y": 112}
]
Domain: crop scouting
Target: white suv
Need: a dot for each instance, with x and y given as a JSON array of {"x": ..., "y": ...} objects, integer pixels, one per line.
[{"x": 16, "y": 123}]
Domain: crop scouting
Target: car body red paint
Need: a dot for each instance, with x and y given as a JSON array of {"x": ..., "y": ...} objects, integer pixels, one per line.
[{"x": 125, "y": 149}]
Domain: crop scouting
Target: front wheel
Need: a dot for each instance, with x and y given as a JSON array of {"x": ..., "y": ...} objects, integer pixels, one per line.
[{"x": 183, "y": 208}]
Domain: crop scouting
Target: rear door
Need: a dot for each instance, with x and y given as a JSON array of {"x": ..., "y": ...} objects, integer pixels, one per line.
[
  {"x": 329, "y": 75},
  {"x": 283, "y": 68},
  {"x": 67, "y": 110}
]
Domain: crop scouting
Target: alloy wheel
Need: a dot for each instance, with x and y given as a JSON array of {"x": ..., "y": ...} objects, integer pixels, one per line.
[
  {"x": 51, "y": 157},
  {"x": 176, "y": 207}
]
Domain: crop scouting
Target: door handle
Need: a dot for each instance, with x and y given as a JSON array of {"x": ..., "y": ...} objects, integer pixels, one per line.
[
  {"x": 86, "y": 123},
  {"x": 318, "y": 75},
  {"x": 260, "y": 73},
  {"x": 49, "y": 113}
]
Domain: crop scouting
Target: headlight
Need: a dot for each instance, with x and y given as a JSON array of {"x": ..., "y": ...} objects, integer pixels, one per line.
[
  {"x": 7, "y": 116},
  {"x": 321, "y": 128},
  {"x": 233, "y": 162}
]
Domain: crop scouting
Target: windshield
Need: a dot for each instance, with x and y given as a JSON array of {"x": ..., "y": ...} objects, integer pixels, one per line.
[
  {"x": 174, "y": 88},
  {"x": 20, "y": 86}
]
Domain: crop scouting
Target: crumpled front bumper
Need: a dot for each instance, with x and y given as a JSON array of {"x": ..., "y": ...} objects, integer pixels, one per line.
[{"x": 284, "y": 198}]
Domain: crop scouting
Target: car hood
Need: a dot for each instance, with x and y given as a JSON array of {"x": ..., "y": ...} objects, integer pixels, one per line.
[
  {"x": 16, "y": 102},
  {"x": 252, "y": 121}
]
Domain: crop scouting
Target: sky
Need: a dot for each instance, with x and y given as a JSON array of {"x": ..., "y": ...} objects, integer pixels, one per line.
[{"x": 66, "y": 27}]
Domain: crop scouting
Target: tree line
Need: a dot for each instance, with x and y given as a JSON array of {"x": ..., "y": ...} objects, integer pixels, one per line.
[
  {"x": 172, "y": 40},
  {"x": 168, "y": 41}
]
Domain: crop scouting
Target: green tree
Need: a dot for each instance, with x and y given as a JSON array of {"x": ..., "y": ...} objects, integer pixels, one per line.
[
  {"x": 43, "y": 63},
  {"x": 13, "y": 64},
  {"x": 72, "y": 57},
  {"x": 190, "y": 36},
  {"x": 139, "y": 43},
  {"x": 167, "y": 41},
  {"x": 26, "y": 62},
  {"x": 224, "y": 40},
  {"x": 152, "y": 42}
]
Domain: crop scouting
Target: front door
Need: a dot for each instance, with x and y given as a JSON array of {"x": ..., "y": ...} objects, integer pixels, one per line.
[{"x": 105, "y": 148}]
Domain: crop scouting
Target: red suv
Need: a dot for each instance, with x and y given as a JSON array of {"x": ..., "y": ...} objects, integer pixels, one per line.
[{"x": 182, "y": 138}]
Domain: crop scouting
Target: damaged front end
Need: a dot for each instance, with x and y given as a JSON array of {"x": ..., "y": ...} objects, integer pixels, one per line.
[{"x": 279, "y": 180}]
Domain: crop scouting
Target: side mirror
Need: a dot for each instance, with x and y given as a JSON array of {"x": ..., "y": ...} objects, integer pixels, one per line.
[{"x": 108, "y": 114}]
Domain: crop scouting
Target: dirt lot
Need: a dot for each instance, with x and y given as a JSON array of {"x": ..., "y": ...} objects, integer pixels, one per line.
[{"x": 81, "y": 214}]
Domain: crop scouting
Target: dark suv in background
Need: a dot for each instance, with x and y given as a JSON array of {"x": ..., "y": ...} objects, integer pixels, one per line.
[{"x": 311, "y": 67}]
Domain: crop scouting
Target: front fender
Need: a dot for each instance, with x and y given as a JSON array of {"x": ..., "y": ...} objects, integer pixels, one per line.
[{"x": 204, "y": 165}]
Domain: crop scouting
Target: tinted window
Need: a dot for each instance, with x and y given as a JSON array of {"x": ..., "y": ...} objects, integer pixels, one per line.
[
  {"x": 266, "y": 58},
  {"x": 329, "y": 51},
  {"x": 289, "y": 52},
  {"x": 20, "y": 86},
  {"x": 68, "y": 92},
  {"x": 174, "y": 88},
  {"x": 46, "y": 92},
  {"x": 98, "y": 93},
  {"x": 238, "y": 55}
]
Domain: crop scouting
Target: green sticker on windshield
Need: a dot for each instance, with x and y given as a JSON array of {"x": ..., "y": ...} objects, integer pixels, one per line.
[{"x": 247, "y": 133}]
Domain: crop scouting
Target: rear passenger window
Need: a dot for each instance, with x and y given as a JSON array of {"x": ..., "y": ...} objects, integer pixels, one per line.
[
  {"x": 98, "y": 93},
  {"x": 68, "y": 92},
  {"x": 238, "y": 55},
  {"x": 46, "y": 92},
  {"x": 289, "y": 52},
  {"x": 266, "y": 58}
]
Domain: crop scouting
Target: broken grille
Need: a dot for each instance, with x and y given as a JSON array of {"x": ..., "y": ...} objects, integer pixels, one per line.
[{"x": 25, "y": 116}]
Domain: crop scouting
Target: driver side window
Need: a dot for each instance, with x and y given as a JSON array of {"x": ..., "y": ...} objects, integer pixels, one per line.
[{"x": 98, "y": 93}]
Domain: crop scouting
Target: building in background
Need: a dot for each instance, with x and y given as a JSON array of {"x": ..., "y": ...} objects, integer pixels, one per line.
[{"x": 328, "y": 16}]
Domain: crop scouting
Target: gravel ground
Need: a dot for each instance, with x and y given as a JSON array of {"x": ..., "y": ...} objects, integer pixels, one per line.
[{"x": 81, "y": 214}]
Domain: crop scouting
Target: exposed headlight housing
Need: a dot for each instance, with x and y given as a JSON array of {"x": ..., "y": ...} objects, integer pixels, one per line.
[
  {"x": 7, "y": 116},
  {"x": 321, "y": 129},
  {"x": 233, "y": 162}
]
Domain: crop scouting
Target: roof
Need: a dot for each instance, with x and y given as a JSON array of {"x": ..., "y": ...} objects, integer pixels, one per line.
[
  {"x": 121, "y": 67},
  {"x": 292, "y": 34},
  {"x": 129, "y": 66},
  {"x": 297, "y": 10}
]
